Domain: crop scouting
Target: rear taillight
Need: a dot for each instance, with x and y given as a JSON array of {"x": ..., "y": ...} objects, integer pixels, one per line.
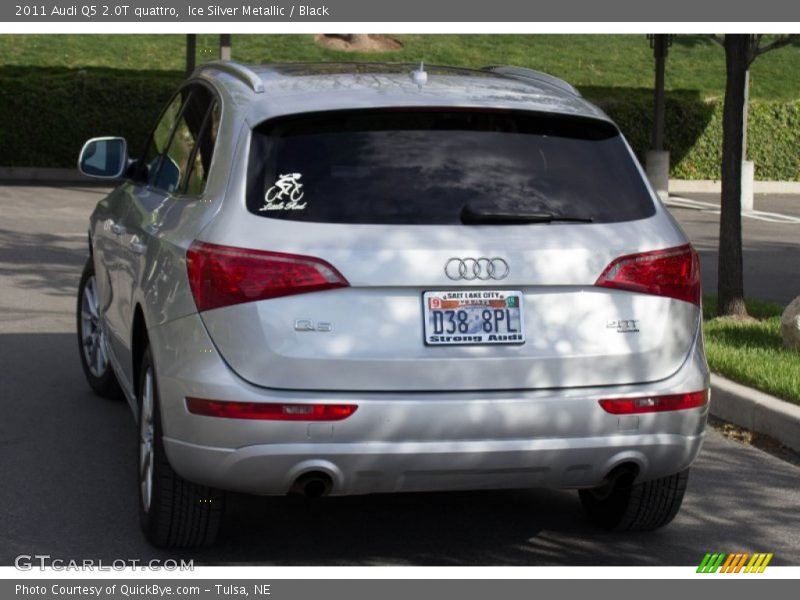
[
  {"x": 224, "y": 275},
  {"x": 674, "y": 273},
  {"x": 269, "y": 411},
  {"x": 650, "y": 404}
]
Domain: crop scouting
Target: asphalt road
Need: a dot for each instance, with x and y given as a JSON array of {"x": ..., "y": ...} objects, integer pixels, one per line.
[
  {"x": 68, "y": 458},
  {"x": 771, "y": 249}
]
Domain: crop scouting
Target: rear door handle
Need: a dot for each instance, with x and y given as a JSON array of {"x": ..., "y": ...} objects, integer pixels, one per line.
[
  {"x": 138, "y": 247},
  {"x": 118, "y": 229}
]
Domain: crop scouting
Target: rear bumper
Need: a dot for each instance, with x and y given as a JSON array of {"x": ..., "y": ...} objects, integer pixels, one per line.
[
  {"x": 375, "y": 467},
  {"x": 415, "y": 441}
]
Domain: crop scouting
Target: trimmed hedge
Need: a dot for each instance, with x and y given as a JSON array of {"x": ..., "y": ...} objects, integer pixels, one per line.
[
  {"x": 693, "y": 134},
  {"x": 49, "y": 113}
]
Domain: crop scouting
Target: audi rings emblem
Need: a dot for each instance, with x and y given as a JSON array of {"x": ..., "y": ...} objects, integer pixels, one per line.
[{"x": 470, "y": 269}]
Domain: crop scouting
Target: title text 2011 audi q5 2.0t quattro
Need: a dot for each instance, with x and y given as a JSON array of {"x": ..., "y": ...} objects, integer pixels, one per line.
[{"x": 351, "y": 279}]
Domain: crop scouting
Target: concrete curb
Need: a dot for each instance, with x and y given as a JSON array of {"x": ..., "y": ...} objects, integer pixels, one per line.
[
  {"x": 756, "y": 411},
  {"x": 705, "y": 186}
]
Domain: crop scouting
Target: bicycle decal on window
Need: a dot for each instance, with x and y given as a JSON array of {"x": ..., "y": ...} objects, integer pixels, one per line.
[{"x": 285, "y": 194}]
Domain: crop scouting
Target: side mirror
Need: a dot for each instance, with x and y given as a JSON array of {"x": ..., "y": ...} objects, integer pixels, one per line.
[{"x": 104, "y": 158}]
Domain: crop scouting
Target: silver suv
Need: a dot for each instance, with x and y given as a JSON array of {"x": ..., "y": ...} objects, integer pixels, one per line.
[{"x": 367, "y": 278}]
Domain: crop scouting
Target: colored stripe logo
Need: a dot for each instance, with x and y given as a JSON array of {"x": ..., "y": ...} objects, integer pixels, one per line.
[{"x": 734, "y": 563}]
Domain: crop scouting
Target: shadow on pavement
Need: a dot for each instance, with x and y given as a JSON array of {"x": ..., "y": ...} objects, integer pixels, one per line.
[
  {"x": 43, "y": 262},
  {"x": 68, "y": 460}
]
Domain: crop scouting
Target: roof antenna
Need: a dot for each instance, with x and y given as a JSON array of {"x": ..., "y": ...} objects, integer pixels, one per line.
[{"x": 419, "y": 76}]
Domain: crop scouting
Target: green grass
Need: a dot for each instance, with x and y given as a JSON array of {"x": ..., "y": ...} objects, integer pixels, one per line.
[
  {"x": 695, "y": 62},
  {"x": 752, "y": 353}
]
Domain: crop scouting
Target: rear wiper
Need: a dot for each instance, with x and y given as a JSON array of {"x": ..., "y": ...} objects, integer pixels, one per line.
[{"x": 492, "y": 216}]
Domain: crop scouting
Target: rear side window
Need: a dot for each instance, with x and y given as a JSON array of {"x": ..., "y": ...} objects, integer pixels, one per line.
[
  {"x": 160, "y": 139},
  {"x": 425, "y": 166},
  {"x": 203, "y": 141},
  {"x": 180, "y": 151}
]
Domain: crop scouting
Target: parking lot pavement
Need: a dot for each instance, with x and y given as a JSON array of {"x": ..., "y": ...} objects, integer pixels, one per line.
[
  {"x": 771, "y": 248},
  {"x": 43, "y": 245},
  {"x": 68, "y": 461},
  {"x": 783, "y": 204}
]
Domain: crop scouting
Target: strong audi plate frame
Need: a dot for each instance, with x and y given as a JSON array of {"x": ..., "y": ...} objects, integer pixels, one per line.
[{"x": 283, "y": 283}]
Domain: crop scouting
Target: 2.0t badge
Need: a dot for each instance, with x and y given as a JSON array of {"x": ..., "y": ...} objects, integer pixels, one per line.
[{"x": 624, "y": 325}]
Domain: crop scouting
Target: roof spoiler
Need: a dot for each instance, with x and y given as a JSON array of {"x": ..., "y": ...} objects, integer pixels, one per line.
[
  {"x": 529, "y": 75},
  {"x": 240, "y": 72}
]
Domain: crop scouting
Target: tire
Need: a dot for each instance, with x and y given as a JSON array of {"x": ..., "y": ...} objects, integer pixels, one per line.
[
  {"x": 173, "y": 512},
  {"x": 623, "y": 506},
  {"x": 92, "y": 346}
]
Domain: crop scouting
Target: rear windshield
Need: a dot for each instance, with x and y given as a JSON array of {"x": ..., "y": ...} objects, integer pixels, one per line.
[{"x": 424, "y": 167}]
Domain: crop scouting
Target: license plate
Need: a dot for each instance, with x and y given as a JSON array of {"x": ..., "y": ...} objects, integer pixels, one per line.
[{"x": 473, "y": 317}]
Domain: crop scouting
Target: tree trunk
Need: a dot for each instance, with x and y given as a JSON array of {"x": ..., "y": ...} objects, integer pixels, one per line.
[
  {"x": 730, "y": 282},
  {"x": 660, "y": 45},
  {"x": 191, "y": 53},
  {"x": 225, "y": 46}
]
